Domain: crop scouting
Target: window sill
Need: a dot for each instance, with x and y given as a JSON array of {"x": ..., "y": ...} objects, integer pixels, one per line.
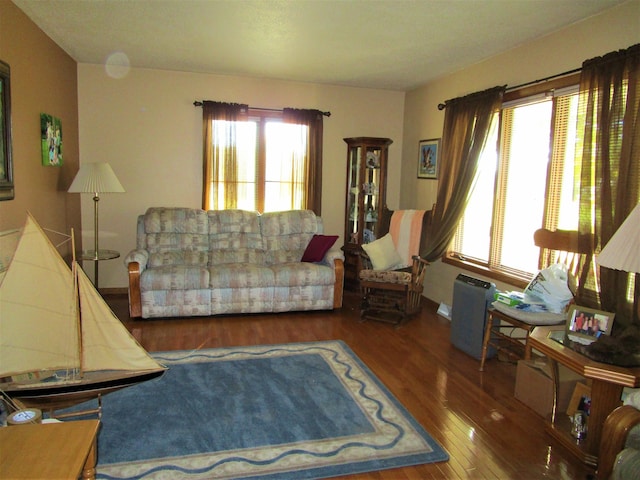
[{"x": 500, "y": 276}]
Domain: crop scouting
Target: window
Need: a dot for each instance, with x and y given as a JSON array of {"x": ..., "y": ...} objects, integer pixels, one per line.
[
  {"x": 268, "y": 171},
  {"x": 525, "y": 181}
]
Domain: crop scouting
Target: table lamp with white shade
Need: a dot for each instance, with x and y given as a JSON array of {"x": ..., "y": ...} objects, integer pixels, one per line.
[
  {"x": 96, "y": 178},
  {"x": 622, "y": 251}
]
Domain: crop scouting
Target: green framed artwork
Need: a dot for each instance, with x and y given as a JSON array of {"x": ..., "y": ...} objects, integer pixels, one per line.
[{"x": 51, "y": 139}]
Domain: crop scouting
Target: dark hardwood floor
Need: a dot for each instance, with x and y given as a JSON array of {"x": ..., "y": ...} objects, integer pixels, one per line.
[{"x": 474, "y": 415}]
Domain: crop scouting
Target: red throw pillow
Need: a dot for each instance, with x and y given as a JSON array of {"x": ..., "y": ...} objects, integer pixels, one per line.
[{"x": 318, "y": 246}]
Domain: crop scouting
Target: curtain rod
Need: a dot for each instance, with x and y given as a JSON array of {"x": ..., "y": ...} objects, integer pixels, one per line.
[
  {"x": 198, "y": 103},
  {"x": 442, "y": 106}
]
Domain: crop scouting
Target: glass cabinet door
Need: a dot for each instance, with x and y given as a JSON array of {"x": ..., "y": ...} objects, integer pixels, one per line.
[
  {"x": 371, "y": 194},
  {"x": 353, "y": 196},
  {"x": 366, "y": 189}
]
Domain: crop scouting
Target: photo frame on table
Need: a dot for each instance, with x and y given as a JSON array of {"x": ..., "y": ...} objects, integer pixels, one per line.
[
  {"x": 7, "y": 190},
  {"x": 581, "y": 394},
  {"x": 589, "y": 323},
  {"x": 428, "y": 160}
]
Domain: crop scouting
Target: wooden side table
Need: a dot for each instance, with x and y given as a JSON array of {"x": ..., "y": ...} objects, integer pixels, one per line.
[
  {"x": 65, "y": 450},
  {"x": 97, "y": 256},
  {"x": 606, "y": 390}
]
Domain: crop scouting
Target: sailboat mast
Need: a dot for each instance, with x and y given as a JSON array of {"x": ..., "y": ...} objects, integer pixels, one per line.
[{"x": 76, "y": 293}]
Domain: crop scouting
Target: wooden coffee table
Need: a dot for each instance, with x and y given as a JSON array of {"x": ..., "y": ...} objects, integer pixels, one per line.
[{"x": 65, "y": 450}]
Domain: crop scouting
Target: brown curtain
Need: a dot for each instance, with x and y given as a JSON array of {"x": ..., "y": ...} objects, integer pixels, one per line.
[
  {"x": 609, "y": 166},
  {"x": 220, "y": 162},
  {"x": 313, "y": 119},
  {"x": 467, "y": 122}
]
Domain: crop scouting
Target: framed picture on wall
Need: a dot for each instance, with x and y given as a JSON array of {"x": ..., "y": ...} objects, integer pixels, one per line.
[
  {"x": 51, "y": 140},
  {"x": 7, "y": 191},
  {"x": 428, "y": 158}
]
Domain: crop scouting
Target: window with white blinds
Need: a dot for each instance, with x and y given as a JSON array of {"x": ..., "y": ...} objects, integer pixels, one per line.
[{"x": 525, "y": 181}]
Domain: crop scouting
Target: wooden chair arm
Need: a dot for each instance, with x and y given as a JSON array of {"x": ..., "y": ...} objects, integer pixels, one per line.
[
  {"x": 135, "y": 297},
  {"x": 614, "y": 435},
  {"x": 364, "y": 259},
  {"x": 418, "y": 258}
]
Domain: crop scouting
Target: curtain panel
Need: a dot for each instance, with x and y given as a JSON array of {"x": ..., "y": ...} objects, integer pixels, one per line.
[
  {"x": 467, "y": 123},
  {"x": 220, "y": 163},
  {"x": 609, "y": 168},
  {"x": 313, "y": 119}
]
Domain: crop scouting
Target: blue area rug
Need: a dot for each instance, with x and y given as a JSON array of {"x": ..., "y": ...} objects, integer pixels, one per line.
[{"x": 296, "y": 411}]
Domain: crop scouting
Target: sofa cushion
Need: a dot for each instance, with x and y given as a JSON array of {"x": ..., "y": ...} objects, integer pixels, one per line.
[
  {"x": 225, "y": 256},
  {"x": 240, "y": 275},
  {"x": 287, "y": 234},
  {"x": 176, "y": 220},
  {"x": 234, "y": 229},
  {"x": 178, "y": 257},
  {"x": 318, "y": 247},
  {"x": 175, "y": 277},
  {"x": 291, "y": 222},
  {"x": 302, "y": 274}
]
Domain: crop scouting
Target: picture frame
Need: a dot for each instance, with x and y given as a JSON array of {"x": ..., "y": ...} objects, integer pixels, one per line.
[
  {"x": 7, "y": 189},
  {"x": 589, "y": 323},
  {"x": 428, "y": 158},
  {"x": 51, "y": 140},
  {"x": 581, "y": 393}
]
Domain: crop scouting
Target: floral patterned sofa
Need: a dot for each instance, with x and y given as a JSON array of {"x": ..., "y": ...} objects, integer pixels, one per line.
[{"x": 191, "y": 262}]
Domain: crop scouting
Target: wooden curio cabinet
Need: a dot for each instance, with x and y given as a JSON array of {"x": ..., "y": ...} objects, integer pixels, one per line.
[{"x": 366, "y": 195}]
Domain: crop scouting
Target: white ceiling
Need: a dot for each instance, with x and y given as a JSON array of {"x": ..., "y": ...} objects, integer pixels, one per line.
[{"x": 388, "y": 44}]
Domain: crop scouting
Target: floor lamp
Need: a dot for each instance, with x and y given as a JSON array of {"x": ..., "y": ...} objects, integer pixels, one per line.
[
  {"x": 622, "y": 251},
  {"x": 96, "y": 178}
]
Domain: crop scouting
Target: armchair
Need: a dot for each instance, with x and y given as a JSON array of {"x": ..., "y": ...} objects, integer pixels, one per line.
[
  {"x": 392, "y": 277},
  {"x": 619, "y": 455}
]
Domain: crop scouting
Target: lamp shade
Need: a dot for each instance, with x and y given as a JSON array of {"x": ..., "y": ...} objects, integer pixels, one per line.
[
  {"x": 622, "y": 252},
  {"x": 96, "y": 178}
]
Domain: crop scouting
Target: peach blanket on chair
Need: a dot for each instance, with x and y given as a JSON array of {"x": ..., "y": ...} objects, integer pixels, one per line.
[{"x": 405, "y": 229}]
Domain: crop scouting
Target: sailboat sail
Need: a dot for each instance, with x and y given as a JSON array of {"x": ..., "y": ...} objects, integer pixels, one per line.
[
  {"x": 37, "y": 309},
  {"x": 106, "y": 344},
  {"x": 39, "y": 319}
]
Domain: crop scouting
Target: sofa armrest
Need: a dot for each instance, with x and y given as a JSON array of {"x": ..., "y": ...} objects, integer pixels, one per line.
[
  {"x": 140, "y": 256},
  {"x": 338, "y": 287},
  {"x": 136, "y": 263},
  {"x": 331, "y": 256},
  {"x": 614, "y": 435},
  {"x": 135, "y": 297},
  {"x": 334, "y": 258}
]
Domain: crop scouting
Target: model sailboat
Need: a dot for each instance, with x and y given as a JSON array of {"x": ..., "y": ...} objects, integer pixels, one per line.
[{"x": 60, "y": 343}]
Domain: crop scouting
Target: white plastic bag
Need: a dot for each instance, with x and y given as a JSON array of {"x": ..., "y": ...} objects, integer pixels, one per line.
[{"x": 551, "y": 287}]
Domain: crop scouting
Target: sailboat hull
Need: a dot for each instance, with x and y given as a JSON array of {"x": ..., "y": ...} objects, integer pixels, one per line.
[
  {"x": 53, "y": 319},
  {"x": 60, "y": 396}
]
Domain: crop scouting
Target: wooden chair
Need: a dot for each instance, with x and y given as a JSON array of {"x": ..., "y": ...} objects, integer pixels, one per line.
[
  {"x": 393, "y": 296},
  {"x": 559, "y": 246}
]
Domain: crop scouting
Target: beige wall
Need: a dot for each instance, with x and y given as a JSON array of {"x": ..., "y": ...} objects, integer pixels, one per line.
[
  {"x": 146, "y": 127},
  {"x": 43, "y": 80},
  {"x": 565, "y": 50}
]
